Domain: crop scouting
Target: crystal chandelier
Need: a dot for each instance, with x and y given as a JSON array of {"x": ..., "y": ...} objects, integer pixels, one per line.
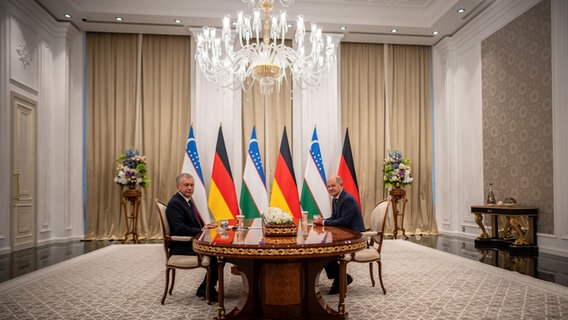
[{"x": 265, "y": 58}]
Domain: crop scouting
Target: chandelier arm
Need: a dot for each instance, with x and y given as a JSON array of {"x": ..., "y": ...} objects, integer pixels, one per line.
[{"x": 265, "y": 61}]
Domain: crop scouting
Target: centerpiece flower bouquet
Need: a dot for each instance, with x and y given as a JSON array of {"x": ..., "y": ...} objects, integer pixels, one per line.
[
  {"x": 277, "y": 222},
  {"x": 274, "y": 215},
  {"x": 397, "y": 170},
  {"x": 131, "y": 170}
]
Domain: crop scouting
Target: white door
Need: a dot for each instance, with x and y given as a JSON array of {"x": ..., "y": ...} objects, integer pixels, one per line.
[{"x": 23, "y": 215}]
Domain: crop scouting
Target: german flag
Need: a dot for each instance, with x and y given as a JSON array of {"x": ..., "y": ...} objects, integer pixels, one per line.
[
  {"x": 284, "y": 188},
  {"x": 347, "y": 169},
  {"x": 222, "y": 195}
]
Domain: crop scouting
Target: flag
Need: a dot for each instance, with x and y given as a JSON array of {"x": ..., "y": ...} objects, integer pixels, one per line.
[
  {"x": 284, "y": 188},
  {"x": 192, "y": 166},
  {"x": 314, "y": 197},
  {"x": 347, "y": 170},
  {"x": 222, "y": 195},
  {"x": 254, "y": 197}
]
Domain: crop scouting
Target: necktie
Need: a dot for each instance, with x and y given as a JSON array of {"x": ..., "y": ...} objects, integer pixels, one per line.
[
  {"x": 335, "y": 202},
  {"x": 195, "y": 215}
]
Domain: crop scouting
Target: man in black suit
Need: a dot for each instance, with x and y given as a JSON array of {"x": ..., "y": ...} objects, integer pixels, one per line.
[
  {"x": 184, "y": 220},
  {"x": 346, "y": 213}
]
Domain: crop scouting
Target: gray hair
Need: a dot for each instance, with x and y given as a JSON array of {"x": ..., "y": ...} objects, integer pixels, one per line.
[{"x": 183, "y": 175}]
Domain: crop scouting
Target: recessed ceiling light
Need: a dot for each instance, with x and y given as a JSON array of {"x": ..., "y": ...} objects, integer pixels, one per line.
[
  {"x": 394, "y": 30},
  {"x": 343, "y": 28},
  {"x": 177, "y": 21},
  {"x": 461, "y": 10},
  {"x": 435, "y": 32},
  {"x": 67, "y": 15},
  {"x": 118, "y": 19}
]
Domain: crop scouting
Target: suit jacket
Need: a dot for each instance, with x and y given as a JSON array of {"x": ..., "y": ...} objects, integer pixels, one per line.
[
  {"x": 346, "y": 213},
  {"x": 183, "y": 222}
]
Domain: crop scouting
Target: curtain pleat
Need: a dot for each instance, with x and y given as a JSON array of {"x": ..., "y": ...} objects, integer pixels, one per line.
[
  {"x": 164, "y": 119},
  {"x": 363, "y": 112},
  {"x": 111, "y": 102},
  {"x": 410, "y": 119},
  {"x": 112, "y": 123}
]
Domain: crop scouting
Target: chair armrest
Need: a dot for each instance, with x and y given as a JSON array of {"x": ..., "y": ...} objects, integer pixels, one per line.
[
  {"x": 181, "y": 238},
  {"x": 369, "y": 233}
]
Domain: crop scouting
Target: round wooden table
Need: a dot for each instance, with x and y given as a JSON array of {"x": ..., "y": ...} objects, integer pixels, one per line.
[{"x": 281, "y": 274}]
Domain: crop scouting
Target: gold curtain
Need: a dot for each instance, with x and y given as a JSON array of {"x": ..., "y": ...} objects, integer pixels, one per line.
[
  {"x": 111, "y": 104},
  {"x": 363, "y": 112},
  {"x": 162, "y": 121},
  {"x": 410, "y": 122},
  {"x": 165, "y": 121},
  {"x": 113, "y": 121}
]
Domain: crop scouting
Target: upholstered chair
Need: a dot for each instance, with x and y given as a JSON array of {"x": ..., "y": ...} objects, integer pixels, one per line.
[
  {"x": 374, "y": 237},
  {"x": 174, "y": 262}
]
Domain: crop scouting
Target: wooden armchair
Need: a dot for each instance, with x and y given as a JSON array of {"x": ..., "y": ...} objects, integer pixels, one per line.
[
  {"x": 174, "y": 262},
  {"x": 374, "y": 242}
]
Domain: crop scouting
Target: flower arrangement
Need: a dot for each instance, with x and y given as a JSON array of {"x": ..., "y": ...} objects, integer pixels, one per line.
[
  {"x": 397, "y": 170},
  {"x": 274, "y": 215},
  {"x": 131, "y": 170}
]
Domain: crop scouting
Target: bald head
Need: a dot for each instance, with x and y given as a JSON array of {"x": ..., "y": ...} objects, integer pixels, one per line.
[{"x": 334, "y": 186}]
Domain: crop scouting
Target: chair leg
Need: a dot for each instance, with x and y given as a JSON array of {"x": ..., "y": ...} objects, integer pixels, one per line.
[
  {"x": 173, "y": 280},
  {"x": 371, "y": 273},
  {"x": 166, "y": 286},
  {"x": 381, "y": 276}
]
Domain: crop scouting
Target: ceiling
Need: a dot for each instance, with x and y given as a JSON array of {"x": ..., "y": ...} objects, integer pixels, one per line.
[{"x": 366, "y": 20}]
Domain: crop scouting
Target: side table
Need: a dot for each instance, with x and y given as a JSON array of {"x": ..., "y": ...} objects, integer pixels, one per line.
[
  {"x": 523, "y": 242},
  {"x": 398, "y": 199},
  {"x": 132, "y": 197}
]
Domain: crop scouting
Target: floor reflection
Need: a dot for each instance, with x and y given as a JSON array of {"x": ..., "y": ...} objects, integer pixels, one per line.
[
  {"x": 542, "y": 266},
  {"x": 18, "y": 263}
]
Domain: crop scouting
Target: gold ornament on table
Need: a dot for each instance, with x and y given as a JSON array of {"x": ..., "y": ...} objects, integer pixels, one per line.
[
  {"x": 490, "y": 195},
  {"x": 276, "y": 222}
]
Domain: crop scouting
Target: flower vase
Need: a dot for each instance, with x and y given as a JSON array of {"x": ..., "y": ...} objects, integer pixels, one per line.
[
  {"x": 397, "y": 190},
  {"x": 131, "y": 192}
]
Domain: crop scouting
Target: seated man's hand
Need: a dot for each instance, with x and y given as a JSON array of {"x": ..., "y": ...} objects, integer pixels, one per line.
[
  {"x": 318, "y": 221},
  {"x": 210, "y": 226}
]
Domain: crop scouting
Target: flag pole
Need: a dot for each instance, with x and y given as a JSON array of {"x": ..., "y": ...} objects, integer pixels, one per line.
[{"x": 266, "y": 157}]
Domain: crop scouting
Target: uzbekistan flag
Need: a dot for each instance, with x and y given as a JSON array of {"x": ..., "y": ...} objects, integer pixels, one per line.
[
  {"x": 284, "y": 188},
  {"x": 347, "y": 170},
  {"x": 222, "y": 195},
  {"x": 254, "y": 197},
  {"x": 192, "y": 166},
  {"x": 315, "y": 198}
]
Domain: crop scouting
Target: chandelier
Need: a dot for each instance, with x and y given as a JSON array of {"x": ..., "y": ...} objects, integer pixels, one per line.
[{"x": 263, "y": 57}]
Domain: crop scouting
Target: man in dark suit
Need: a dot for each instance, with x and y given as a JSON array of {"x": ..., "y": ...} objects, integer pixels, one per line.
[
  {"x": 184, "y": 220},
  {"x": 346, "y": 213}
]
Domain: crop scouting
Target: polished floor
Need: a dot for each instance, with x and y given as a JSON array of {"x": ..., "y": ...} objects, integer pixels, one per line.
[{"x": 543, "y": 266}]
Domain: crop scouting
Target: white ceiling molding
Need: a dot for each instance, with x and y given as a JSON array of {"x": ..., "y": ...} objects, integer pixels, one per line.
[{"x": 366, "y": 20}]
